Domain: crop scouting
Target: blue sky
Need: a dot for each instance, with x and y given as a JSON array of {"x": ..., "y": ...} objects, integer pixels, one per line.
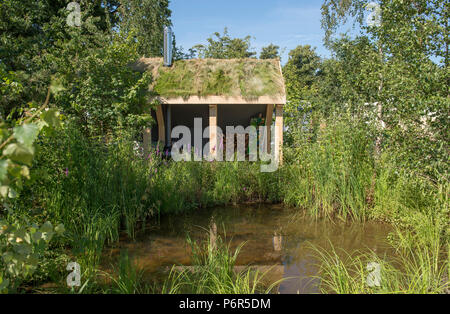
[{"x": 286, "y": 23}]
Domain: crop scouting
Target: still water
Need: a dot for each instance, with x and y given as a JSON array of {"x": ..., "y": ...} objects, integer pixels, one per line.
[{"x": 275, "y": 237}]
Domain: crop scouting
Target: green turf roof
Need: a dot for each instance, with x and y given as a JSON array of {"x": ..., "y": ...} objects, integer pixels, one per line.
[{"x": 246, "y": 78}]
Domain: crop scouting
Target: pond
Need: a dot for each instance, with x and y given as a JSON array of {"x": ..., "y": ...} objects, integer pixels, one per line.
[{"x": 275, "y": 237}]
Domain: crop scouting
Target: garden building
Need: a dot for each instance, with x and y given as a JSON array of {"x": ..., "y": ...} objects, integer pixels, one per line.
[{"x": 222, "y": 92}]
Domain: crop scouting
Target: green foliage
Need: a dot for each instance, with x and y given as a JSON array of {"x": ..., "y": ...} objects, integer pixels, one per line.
[
  {"x": 100, "y": 91},
  {"x": 145, "y": 21},
  {"x": 301, "y": 76},
  {"x": 395, "y": 76},
  {"x": 17, "y": 148},
  {"x": 90, "y": 62},
  {"x": 21, "y": 243},
  {"x": 213, "y": 272},
  {"x": 332, "y": 175},
  {"x": 270, "y": 52},
  {"x": 21, "y": 247},
  {"x": 225, "y": 47},
  {"x": 416, "y": 270},
  {"x": 336, "y": 13},
  {"x": 30, "y": 33},
  {"x": 129, "y": 278},
  {"x": 9, "y": 88}
]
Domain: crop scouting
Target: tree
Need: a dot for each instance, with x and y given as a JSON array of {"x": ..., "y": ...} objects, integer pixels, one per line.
[
  {"x": 225, "y": 47},
  {"x": 145, "y": 21},
  {"x": 301, "y": 75},
  {"x": 397, "y": 73},
  {"x": 337, "y": 12},
  {"x": 90, "y": 61},
  {"x": 22, "y": 244},
  {"x": 98, "y": 88},
  {"x": 270, "y": 52},
  {"x": 29, "y": 31}
]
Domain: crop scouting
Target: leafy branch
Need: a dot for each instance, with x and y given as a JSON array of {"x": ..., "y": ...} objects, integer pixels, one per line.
[
  {"x": 9, "y": 139},
  {"x": 22, "y": 244},
  {"x": 17, "y": 150}
]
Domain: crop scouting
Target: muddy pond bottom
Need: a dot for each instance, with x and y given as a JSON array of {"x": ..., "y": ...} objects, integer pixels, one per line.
[{"x": 275, "y": 237}]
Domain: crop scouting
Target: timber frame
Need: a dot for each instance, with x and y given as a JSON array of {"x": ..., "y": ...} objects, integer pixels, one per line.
[{"x": 217, "y": 105}]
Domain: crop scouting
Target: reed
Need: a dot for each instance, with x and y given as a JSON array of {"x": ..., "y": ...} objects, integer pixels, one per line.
[
  {"x": 127, "y": 278},
  {"x": 213, "y": 272},
  {"x": 99, "y": 190},
  {"x": 332, "y": 175},
  {"x": 416, "y": 270}
]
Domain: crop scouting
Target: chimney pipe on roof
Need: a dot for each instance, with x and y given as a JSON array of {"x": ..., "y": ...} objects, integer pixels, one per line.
[{"x": 168, "y": 36}]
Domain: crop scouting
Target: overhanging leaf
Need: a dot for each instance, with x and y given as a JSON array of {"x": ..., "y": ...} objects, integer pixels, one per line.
[
  {"x": 60, "y": 229},
  {"x": 4, "y": 283},
  {"x": 36, "y": 236},
  {"x": 3, "y": 169},
  {"x": 46, "y": 227},
  {"x": 4, "y": 189},
  {"x": 51, "y": 118},
  {"x": 25, "y": 171},
  {"x": 56, "y": 85},
  {"x": 19, "y": 153},
  {"x": 12, "y": 193},
  {"x": 26, "y": 134}
]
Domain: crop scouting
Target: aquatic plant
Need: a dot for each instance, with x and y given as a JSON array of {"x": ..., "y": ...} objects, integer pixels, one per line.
[
  {"x": 413, "y": 270},
  {"x": 112, "y": 188},
  {"x": 213, "y": 272},
  {"x": 127, "y": 278}
]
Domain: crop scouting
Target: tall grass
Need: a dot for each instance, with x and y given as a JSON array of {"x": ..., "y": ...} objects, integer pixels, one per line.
[
  {"x": 127, "y": 278},
  {"x": 331, "y": 176},
  {"x": 99, "y": 190},
  {"x": 335, "y": 174},
  {"x": 213, "y": 272},
  {"x": 93, "y": 189},
  {"x": 417, "y": 270}
]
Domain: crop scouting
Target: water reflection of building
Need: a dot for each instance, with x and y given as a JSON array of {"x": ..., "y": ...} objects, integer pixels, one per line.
[
  {"x": 262, "y": 255},
  {"x": 213, "y": 234},
  {"x": 277, "y": 242}
]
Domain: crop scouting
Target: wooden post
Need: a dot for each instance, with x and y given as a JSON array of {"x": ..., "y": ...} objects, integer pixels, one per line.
[
  {"x": 161, "y": 127},
  {"x": 268, "y": 136},
  {"x": 279, "y": 133},
  {"x": 213, "y": 234},
  {"x": 213, "y": 130},
  {"x": 147, "y": 141},
  {"x": 168, "y": 125}
]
